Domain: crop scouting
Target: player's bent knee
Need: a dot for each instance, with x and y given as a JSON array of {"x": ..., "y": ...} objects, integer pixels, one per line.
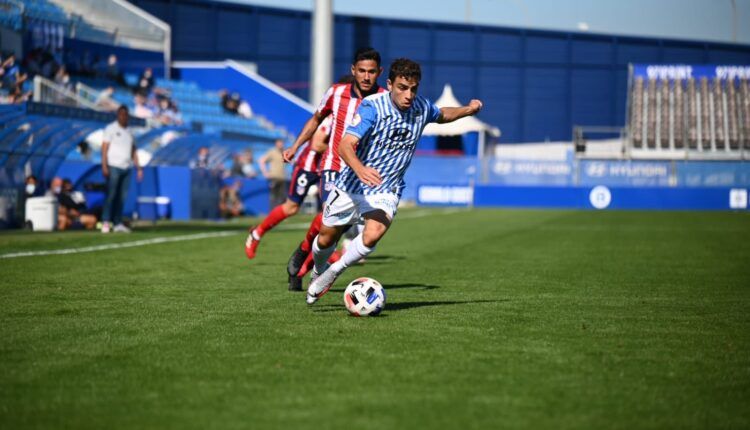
[
  {"x": 327, "y": 237},
  {"x": 372, "y": 234},
  {"x": 290, "y": 208}
]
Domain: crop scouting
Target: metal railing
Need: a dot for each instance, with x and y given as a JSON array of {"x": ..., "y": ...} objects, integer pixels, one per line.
[{"x": 46, "y": 91}]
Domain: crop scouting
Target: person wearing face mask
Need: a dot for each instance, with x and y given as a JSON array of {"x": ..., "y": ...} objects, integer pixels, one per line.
[
  {"x": 31, "y": 188},
  {"x": 55, "y": 187}
]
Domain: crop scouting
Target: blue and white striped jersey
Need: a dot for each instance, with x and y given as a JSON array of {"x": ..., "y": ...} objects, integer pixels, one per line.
[{"x": 387, "y": 140}]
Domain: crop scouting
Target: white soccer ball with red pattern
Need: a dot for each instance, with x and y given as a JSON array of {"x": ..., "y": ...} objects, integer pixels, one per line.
[{"x": 364, "y": 297}]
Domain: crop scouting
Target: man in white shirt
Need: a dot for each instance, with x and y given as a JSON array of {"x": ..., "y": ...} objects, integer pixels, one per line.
[{"x": 118, "y": 157}]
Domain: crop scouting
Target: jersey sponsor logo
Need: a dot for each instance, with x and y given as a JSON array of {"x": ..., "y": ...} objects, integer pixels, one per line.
[
  {"x": 396, "y": 146},
  {"x": 400, "y": 134}
]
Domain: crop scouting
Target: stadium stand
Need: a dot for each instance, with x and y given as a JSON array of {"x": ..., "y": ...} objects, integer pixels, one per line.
[
  {"x": 712, "y": 118},
  {"x": 11, "y": 15}
]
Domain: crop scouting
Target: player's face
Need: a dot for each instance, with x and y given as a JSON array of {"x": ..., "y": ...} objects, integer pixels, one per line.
[
  {"x": 366, "y": 74},
  {"x": 403, "y": 91}
]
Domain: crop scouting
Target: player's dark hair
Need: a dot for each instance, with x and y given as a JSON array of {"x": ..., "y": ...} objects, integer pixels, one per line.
[
  {"x": 122, "y": 107},
  {"x": 366, "y": 53},
  {"x": 405, "y": 68}
]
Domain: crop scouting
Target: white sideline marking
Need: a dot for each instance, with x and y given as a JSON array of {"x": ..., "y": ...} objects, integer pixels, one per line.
[
  {"x": 167, "y": 239},
  {"x": 121, "y": 245}
]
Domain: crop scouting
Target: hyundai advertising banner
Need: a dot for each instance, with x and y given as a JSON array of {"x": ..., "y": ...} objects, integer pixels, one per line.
[{"x": 685, "y": 71}]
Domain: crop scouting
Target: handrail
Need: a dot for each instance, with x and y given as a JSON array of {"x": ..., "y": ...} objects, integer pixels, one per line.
[{"x": 43, "y": 87}]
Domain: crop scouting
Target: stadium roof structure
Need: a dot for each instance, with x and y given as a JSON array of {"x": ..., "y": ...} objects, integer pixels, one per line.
[{"x": 462, "y": 126}]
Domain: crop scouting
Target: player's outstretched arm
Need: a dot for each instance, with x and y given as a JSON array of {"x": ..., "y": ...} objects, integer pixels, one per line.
[
  {"x": 450, "y": 114},
  {"x": 366, "y": 174},
  {"x": 307, "y": 132}
]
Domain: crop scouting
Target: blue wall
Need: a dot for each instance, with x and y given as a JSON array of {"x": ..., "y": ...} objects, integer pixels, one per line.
[
  {"x": 536, "y": 84},
  {"x": 648, "y": 198},
  {"x": 129, "y": 60}
]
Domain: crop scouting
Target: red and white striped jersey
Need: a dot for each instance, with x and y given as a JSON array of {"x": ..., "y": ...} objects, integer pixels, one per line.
[
  {"x": 340, "y": 102},
  {"x": 307, "y": 159}
]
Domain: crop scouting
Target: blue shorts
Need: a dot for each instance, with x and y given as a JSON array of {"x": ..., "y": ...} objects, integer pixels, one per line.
[
  {"x": 327, "y": 181},
  {"x": 300, "y": 184}
]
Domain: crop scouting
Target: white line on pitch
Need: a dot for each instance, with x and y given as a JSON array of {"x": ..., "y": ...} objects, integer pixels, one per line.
[
  {"x": 168, "y": 239},
  {"x": 121, "y": 245}
]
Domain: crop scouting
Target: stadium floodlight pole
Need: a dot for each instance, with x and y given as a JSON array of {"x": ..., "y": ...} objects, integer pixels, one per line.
[
  {"x": 734, "y": 20},
  {"x": 322, "y": 50}
]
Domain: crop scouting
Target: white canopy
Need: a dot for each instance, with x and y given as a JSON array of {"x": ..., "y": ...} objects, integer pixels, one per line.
[{"x": 463, "y": 125}]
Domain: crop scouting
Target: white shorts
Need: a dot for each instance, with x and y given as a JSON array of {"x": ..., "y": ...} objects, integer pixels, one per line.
[{"x": 342, "y": 208}]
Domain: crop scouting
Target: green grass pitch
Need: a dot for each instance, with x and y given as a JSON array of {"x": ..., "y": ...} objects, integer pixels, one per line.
[{"x": 495, "y": 319}]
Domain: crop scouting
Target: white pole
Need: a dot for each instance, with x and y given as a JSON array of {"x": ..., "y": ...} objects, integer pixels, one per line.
[{"x": 322, "y": 50}]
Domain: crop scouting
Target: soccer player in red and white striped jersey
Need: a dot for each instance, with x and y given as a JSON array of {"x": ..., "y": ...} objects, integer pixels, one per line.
[
  {"x": 306, "y": 174},
  {"x": 340, "y": 102}
]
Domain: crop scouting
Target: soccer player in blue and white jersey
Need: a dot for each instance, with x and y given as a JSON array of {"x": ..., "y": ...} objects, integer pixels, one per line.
[{"x": 377, "y": 149}]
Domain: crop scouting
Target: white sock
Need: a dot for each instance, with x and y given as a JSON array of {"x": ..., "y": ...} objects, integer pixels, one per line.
[
  {"x": 320, "y": 256},
  {"x": 355, "y": 252}
]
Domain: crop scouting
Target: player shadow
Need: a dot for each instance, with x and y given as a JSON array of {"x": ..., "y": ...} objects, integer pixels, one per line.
[
  {"x": 398, "y": 286},
  {"x": 402, "y": 306},
  {"x": 381, "y": 259}
]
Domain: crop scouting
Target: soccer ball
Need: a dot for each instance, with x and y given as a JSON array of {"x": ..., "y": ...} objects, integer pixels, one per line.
[{"x": 364, "y": 297}]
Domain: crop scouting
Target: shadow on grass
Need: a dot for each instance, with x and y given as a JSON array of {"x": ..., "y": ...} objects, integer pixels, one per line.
[
  {"x": 384, "y": 258},
  {"x": 397, "y": 286},
  {"x": 402, "y": 306}
]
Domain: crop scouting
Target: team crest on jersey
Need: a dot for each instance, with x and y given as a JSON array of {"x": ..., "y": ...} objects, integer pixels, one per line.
[{"x": 356, "y": 119}]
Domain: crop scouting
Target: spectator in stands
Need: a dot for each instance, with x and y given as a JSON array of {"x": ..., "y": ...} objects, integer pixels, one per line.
[
  {"x": 119, "y": 155},
  {"x": 236, "y": 169},
  {"x": 168, "y": 113},
  {"x": 112, "y": 71},
  {"x": 243, "y": 165},
  {"x": 142, "y": 110},
  {"x": 31, "y": 187},
  {"x": 230, "y": 204},
  {"x": 62, "y": 78},
  {"x": 201, "y": 162},
  {"x": 145, "y": 83},
  {"x": 272, "y": 166},
  {"x": 55, "y": 188},
  {"x": 230, "y": 102},
  {"x": 13, "y": 76},
  {"x": 84, "y": 149},
  {"x": 105, "y": 100},
  {"x": 71, "y": 211},
  {"x": 17, "y": 95}
]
